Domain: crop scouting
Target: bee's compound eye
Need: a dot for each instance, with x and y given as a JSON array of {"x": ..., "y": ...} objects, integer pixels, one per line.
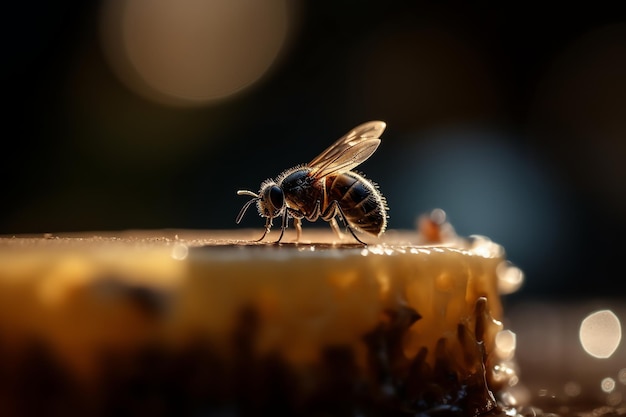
[{"x": 276, "y": 197}]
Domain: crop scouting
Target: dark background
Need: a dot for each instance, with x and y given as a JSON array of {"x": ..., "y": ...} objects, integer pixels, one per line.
[{"x": 510, "y": 117}]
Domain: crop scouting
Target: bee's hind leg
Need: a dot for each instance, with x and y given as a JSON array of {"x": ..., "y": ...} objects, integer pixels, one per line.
[
  {"x": 333, "y": 222},
  {"x": 335, "y": 226},
  {"x": 355, "y": 236}
]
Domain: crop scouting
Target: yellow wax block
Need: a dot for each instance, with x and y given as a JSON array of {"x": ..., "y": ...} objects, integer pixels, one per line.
[{"x": 393, "y": 325}]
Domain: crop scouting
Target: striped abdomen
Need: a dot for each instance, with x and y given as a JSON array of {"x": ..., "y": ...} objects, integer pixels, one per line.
[{"x": 360, "y": 201}]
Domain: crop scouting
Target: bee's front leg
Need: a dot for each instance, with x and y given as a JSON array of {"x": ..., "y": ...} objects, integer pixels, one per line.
[{"x": 268, "y": 226}]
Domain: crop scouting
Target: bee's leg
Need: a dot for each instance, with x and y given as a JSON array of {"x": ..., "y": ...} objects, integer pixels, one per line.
[
  {"x": 268, "y": 226},
  {"x": 330, "y": 213},
  {"x": 335, "y": 227},
  {"x": 298, "y": 224},
  {"x": 283, "y": 226},
  {"x": 263, "y": 236},
  {"x": 297, "y": 221},
  {"x": 355, "y": 236}
]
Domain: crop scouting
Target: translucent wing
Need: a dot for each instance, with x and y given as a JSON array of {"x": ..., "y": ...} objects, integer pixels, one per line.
[{"x": 348, "y": 151}]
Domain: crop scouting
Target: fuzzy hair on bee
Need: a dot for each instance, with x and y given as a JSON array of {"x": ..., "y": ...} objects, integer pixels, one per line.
[{"x": 327, "y": 188}]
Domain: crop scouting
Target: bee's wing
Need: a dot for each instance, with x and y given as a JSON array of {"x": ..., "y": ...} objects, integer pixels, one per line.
[{"x": 348, "y": 151}]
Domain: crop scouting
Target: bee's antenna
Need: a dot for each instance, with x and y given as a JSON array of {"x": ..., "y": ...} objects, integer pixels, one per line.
[
  {"x": 248, "y": 204},
  {"x": 246, "y": 192}
]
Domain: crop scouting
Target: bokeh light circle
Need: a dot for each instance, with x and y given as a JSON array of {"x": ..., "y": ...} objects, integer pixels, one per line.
[
  {"x": 600, "y": 334},
  {"x": 192, "y": 51}
]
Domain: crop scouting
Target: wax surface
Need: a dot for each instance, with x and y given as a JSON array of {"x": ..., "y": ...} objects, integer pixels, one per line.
[{"x": 400, "y": 313}]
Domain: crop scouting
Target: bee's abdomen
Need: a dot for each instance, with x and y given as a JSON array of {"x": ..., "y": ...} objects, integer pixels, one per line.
[{"x": 360, "y": 201}]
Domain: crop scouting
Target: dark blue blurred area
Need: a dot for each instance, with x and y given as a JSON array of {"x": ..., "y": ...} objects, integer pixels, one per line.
[{"x": 510, "y": 117}]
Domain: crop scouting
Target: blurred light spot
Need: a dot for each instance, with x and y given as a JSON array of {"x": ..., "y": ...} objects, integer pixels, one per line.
[
  {"x": 444, "y": 282},
  {"x": 600, "y": 333},
  {"x": 483, "y": 246},
  {"x": 489, "y": 185},
  {"x": 506, "y": 341},
  {"x": 518, "y": 394},
  {"x": 504, "y": 372},
  {"x": 433, "y": 228},
  {"x": 510, "y": 277},
  {"x": 180, "y": 251},
  {"x": 191, "y": 51},
  {"x": 508, "y": 399},
  {"x": 438, "y": 216},
  {"x": 607, "y": 385},
  {"x": 572, "y": 389},
  {"x": 511, "y": 412},
  {"x": 621, "y": 376}
]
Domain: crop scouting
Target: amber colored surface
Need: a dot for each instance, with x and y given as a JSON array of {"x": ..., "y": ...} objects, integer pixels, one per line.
[{"x": 402, "y": 315}]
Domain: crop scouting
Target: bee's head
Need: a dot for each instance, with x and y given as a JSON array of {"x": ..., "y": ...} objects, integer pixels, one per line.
[{"x": 270, "y": 201}]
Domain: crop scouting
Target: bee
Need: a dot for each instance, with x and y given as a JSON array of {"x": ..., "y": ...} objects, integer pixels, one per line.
[{"x": 327, "y": 188}]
